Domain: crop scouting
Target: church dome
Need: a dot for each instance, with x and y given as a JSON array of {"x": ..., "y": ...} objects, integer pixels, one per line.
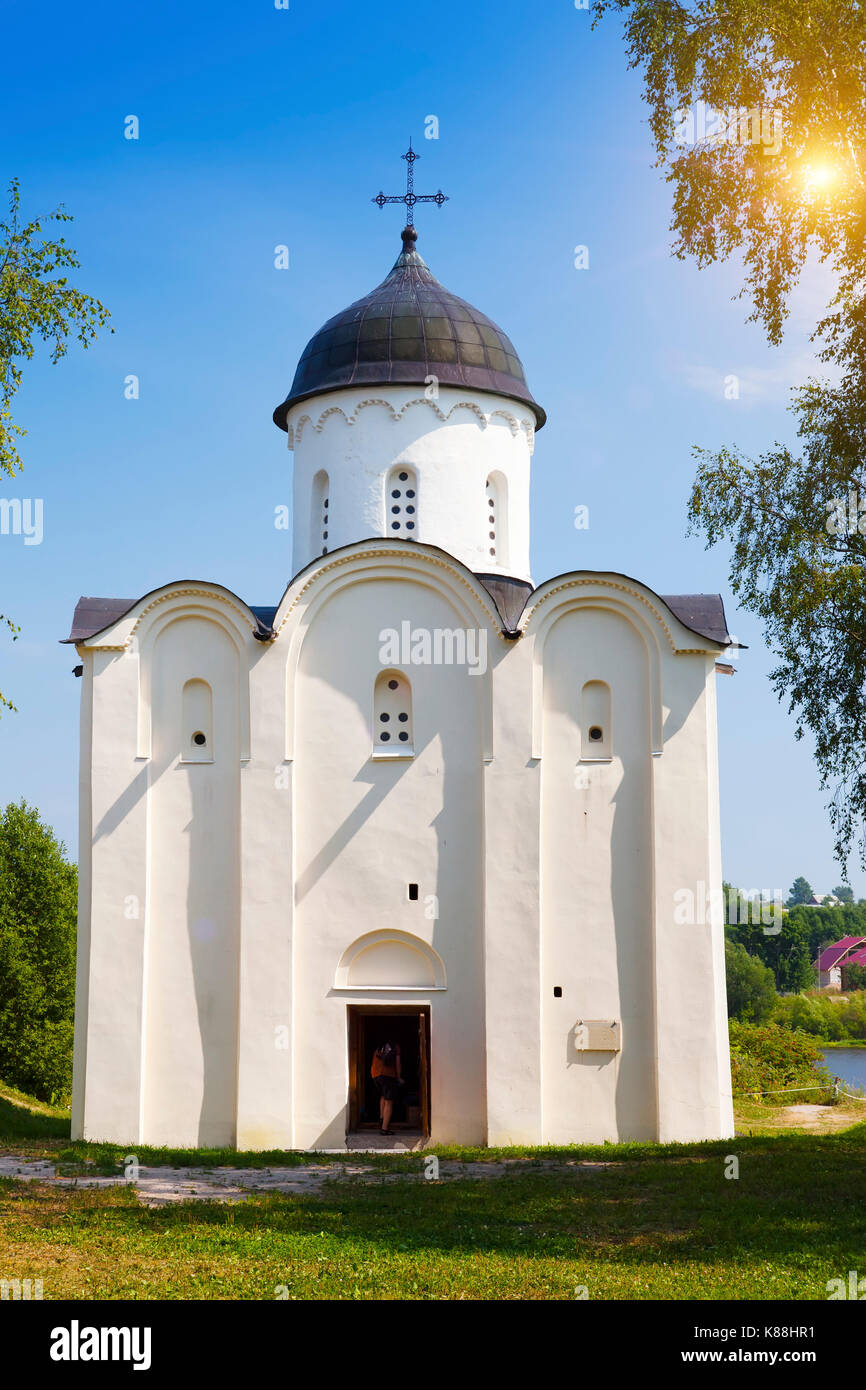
[{"x": 405, "y": 330}]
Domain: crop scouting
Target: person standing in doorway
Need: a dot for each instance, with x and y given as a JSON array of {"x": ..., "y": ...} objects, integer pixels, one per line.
[{"x": 387, "y": 1073}]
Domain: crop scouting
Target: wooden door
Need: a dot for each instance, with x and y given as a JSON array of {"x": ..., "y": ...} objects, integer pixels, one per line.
[
  {"x": 356, "y": 1067},
  {"x": 423, "y": 1079}
]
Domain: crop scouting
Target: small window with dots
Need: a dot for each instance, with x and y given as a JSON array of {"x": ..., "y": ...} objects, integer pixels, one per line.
[
  {"x": 401, "y": 504},
  {"x": 392, "y": 716}
]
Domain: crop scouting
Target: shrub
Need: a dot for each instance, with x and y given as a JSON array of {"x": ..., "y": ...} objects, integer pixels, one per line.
[
  {"x": 823, "y": 1015},
  {"x": 765, "y": 1057},
  {"x": 38, "y": 891}
]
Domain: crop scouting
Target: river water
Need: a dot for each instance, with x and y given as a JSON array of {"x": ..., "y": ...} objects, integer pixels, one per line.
[{"x": 849, "y": 1063}]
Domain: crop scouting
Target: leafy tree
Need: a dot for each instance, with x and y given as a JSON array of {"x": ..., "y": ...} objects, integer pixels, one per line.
[
  {"x": 822, "y": 926},
  {"x": 797, "y": 185},
  {"x": 786, "y": 952},
  {"x": 38, "y": 891},
  {"x": 844, "y": 892},
  {"x": 766, "y": 196},
  {"x": 35, "y": 304},
  {"x": 853, "y": 977},
  {"x": 751, "y": 985},
  {"x": 801, "y": 891},
  {"x": 795, "y": 970}
]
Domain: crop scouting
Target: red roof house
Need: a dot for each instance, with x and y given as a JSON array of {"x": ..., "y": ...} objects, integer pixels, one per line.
[{"x": 845, "y": 952}]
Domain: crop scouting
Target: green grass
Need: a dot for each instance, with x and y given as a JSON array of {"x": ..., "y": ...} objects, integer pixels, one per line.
[
  {"x": 22, "y": 1117},
  {"x": 661, "y": 1222},
  {"x": 663, "y": 1228}
]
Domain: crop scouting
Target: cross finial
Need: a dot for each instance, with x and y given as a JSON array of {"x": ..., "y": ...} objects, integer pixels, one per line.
[{"x": 410, "y": 197}]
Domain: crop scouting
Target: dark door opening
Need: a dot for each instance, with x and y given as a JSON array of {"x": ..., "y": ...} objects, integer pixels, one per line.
[{"x": 408, "y": 1026}]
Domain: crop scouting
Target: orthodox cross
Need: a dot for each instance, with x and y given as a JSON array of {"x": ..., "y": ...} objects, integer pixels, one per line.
[{"x": 410, "y": 197}]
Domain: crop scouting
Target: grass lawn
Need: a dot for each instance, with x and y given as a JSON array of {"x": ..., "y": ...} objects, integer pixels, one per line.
[{"x": 660, "y": 1222}]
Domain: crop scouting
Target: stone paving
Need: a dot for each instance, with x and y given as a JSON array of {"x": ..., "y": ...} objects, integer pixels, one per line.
[{"x": 163, "y": 1186}]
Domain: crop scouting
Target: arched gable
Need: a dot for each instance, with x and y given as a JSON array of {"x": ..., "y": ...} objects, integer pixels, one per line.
[
  {"x": 137, "y": 631},
  {"x": 373, "y": 561},
  {"x": 554, "y": 600}
]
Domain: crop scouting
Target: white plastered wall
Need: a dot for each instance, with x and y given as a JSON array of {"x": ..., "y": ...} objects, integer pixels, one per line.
[
  {"x": 323, "y": 841},
  {"x": 610, "y": 865},
  {"x": 365, "y": 827},
  {"x": 184, "y": 966},
  {"x": 454, "y": 443}
]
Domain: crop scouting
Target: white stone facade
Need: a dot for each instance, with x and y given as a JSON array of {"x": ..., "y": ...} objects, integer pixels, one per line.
[
  {"x": 247, "y": 840},
  {"x": 459, "y": 449}
]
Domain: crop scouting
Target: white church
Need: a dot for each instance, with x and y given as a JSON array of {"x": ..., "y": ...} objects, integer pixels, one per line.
[{"x": 423, "y": 799}]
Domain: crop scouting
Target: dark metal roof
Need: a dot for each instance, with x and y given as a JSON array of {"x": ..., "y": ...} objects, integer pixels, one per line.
[
  {"x": 94, "y": 615},
  {"x": 510, "y": 597},
  {"x": 701, "y": 613},
  {"x": 408, "y": 329}
]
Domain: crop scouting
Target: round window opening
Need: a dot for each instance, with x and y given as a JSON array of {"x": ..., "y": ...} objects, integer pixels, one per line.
[
  {"x": 199, "y": 740},
  {"x": 392, "y": 685},
  {"x": 596, "y": 734}
]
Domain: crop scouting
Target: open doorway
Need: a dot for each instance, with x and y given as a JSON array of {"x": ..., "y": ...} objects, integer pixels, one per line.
[{"x": 407, "y": 1025}]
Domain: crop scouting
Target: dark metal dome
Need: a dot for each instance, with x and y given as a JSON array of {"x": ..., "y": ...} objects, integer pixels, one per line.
[{"x": 409, "y": 328}]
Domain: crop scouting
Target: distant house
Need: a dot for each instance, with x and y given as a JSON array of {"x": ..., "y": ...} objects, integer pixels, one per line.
[
  {"x": 824, "y": 900},
  {"x": 851, "y": 950}
]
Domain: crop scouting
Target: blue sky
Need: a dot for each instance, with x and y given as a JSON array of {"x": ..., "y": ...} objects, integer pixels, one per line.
[{"x": 261, "y": 127}]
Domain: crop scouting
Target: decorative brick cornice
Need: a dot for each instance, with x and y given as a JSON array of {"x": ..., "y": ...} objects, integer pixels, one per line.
[
  {"x": 598, "y": 582},
  {"x": 387, "y": 552}
]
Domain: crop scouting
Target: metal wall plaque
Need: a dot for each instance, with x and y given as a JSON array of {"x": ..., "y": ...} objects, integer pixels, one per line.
[{"x": 597, "y": 1035}]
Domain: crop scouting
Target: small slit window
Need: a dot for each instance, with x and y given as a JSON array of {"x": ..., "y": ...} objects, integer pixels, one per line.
[
  {"x": 595, "y": 731},
  {"x": 496, "y": 519},
  {"x": 392, "y": 716},
  {"x": 197, "y": 723},
  {"x": 401, "y": 504},
  {"x": 320, "y": 512}
]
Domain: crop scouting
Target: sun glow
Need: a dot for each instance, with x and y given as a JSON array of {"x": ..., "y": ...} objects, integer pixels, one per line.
[{"x": 819, "y": 178}]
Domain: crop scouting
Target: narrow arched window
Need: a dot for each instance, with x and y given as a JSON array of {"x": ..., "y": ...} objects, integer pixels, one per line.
[
  {"x": 320, "y": 504},
  {"x": 496, "y": 502},
  {"x": 197, "y": 723},
  {"x": 595, "y": 731},
  {"x": 392, "y": 716},
  {"x": 401, "y": 504}
]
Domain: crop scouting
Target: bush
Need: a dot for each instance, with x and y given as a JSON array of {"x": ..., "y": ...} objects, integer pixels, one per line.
[
  {"x": 38, "y": 892},
  {"x": 751, "y": 985},
  {"x": 769, "y": 1058},
  {"x": 823, "y": 1015}
]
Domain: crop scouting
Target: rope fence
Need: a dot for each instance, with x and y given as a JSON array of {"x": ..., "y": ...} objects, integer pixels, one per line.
[{"x": 837, "y": 1089}]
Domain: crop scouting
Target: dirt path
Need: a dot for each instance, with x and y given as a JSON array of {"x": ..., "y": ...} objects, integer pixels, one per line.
[
  {"x": 159, "y": 1187},
  {"x": 821, "y": 1118}
]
